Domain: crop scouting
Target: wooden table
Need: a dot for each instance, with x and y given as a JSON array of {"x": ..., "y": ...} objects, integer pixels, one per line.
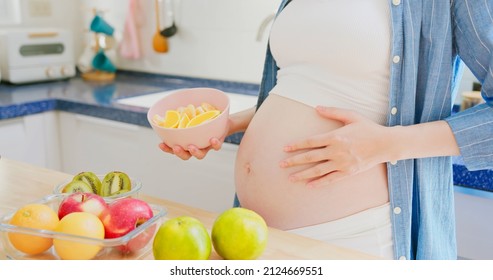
[{"x": 21, "y": 183}]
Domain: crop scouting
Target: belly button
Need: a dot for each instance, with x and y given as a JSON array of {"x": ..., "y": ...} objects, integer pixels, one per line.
[{"x": 247, "y": 168}]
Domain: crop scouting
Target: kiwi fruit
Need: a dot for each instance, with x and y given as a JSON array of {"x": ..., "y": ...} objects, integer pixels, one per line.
[
  {"x": 91, "y": 179},
  {"x": 77, "y": 186},
  {"x": 115, "y": 182}
]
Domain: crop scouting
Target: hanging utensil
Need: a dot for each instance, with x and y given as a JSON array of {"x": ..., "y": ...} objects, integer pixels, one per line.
[
  {"x": 159, "y": 42},
  {"x": 171, "y": 30}
]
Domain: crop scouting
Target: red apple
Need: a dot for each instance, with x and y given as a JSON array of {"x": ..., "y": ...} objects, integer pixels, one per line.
[
  {"x": 124, "y": 215},
  {"x": 82, "y": 202}
]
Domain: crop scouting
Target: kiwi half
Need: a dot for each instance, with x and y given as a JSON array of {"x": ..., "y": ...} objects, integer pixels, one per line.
[
  {"x": 91, "y": 179},
  {"x": 77, "y": 186},
  {"x": 115, "y": 182}
]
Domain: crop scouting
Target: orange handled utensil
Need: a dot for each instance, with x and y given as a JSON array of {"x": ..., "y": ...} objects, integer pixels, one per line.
[{"x": 159, "y": 42}]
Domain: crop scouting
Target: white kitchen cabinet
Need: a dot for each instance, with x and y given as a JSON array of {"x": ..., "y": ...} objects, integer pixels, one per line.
[
  {"x": 99, "y": 145},
  {"x": 473, "y": 209},
  {"x": 32, "y": 139}
]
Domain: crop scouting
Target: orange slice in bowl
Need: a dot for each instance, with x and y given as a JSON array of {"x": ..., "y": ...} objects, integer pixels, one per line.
[
  {"x": 203, "y": 117},
  {"x": 207, "y": 106},
  {"x": 171, "y": 119},
  {"x": 190, "y": 111},
  {"x": 184, "y": 120},
  {"x": 199, "y": 110},
  {"x": 158, "y": 120}
]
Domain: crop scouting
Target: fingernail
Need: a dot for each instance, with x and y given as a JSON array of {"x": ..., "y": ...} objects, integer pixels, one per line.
[
  {"x": 175, "y": 149},
  {"x": 287, "y": 148},
  {"x": 192, "y": 149},
  {"x": 283, "y": 164}
]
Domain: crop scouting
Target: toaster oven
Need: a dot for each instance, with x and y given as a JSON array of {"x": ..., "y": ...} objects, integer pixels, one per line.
[{"x": 32, "y": 55}]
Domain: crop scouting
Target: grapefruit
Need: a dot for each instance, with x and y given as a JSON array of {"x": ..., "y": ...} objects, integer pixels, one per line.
[{"x": 82, "y": 224}]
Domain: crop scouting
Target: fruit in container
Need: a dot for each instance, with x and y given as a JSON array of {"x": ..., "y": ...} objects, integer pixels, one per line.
[
  {"x": 81, "y": 224},
  {"x": 239, "y": 234},
  {"x": 91, "y": 179},
  {"x": 115, "y": 182},
  {"x": 75, "y": 234},
  {"x": 209, "y": 115},
  {"x": 77, "y": 186},
  {"x": 171, "y": 119},
  {"x": 36, "y": 216},
  {"x": 182, "y": 238},
  {"x": 82, "y": 202},
  {"x": 124, "y": 215},
  {"x": 186, "y": 116}
]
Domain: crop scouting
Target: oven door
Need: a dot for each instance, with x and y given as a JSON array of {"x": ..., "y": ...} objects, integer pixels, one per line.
[{"x": 31, "y": 49}]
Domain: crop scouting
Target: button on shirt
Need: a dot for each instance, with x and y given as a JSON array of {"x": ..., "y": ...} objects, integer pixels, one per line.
[{"x": 423, "y": 83}]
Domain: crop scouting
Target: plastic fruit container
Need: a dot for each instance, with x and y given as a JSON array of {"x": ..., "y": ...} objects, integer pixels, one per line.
[
  {"x": 133, "y": 192},
  {"x": 135, "y": 245},
  {"x": 197, "y": 135}
]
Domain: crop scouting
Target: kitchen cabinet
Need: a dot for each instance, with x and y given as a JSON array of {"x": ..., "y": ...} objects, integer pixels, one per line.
[
  {"x": 473, "y": 210},
  {"x": 100, "y": 145},
  {"x": 32, "y": 139}
]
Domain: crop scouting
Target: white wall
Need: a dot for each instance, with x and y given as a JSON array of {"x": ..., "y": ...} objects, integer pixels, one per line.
[{"x": 216, "y": 38}]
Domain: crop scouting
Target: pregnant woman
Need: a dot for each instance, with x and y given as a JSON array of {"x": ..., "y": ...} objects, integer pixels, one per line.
[{"x": 352, "y": 136}]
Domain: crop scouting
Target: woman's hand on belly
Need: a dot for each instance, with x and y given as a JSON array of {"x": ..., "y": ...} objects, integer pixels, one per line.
[{"x": 358, "y": 145}]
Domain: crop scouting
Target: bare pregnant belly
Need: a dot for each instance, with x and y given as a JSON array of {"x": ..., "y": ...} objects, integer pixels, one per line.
[{"x": 264, "y": 187}]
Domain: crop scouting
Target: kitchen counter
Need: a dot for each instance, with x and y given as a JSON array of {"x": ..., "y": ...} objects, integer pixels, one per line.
[
  {"x": 101, "y": 100},
  {"x": 17, "y": 189}
]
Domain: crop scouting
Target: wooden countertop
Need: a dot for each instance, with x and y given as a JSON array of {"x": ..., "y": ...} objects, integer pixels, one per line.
[{"x": 21, "y": 183}]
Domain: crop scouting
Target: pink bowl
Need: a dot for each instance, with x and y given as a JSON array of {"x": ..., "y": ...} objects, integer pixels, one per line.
[{"x": 198, "y": 135}]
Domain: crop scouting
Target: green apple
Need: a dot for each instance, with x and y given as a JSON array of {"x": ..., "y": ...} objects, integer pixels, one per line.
[
  {"x": 182, "y": 238},
  {"x": 239, "y": 234}
]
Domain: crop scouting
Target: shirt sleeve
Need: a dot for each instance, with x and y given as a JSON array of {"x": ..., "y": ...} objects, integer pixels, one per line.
[{"x": 473, "y": 33}]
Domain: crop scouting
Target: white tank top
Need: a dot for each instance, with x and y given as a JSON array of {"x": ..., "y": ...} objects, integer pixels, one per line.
[{"x": 334, "y": 53}]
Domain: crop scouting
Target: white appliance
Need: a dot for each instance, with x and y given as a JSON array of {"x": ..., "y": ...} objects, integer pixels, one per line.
[{"x": 32, "y": 55}]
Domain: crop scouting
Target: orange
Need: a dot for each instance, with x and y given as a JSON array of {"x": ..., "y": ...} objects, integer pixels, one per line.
[
  {"x": 82, "y": 224},
  {"x": 181, "y": 110},
  {"x": 36, "y": 216},
  {"x": 158, "y": 120},
  {"x": 208, "y": 107},
  {"x": 190, "y": 111},
  {"x": 199, "y": 110},
  {"x": 170, "y": 120},
  {"x": 203, "y": 117},
  {"x": 184, "y": 121}
]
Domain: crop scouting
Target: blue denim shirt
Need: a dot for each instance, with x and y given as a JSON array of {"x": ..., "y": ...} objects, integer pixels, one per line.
[{"x": 432, "y": 38}]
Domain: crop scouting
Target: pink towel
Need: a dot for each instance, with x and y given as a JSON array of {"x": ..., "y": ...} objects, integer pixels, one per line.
[{"x": 129, "y": 47}]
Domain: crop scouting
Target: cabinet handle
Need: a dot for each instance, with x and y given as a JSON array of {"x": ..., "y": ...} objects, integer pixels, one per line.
[{"x": 105, "y": 122}]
